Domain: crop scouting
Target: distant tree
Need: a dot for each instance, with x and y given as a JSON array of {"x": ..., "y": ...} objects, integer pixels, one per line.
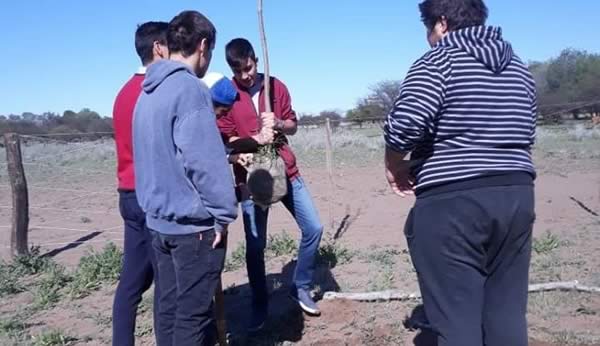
[
  {"x": 563, "y": 71},
  {"x": 305, "y": 119},
  {"x": 311, "y": 119},
  {"x": 3, "y": 125},
  {"x": 365, "y": 110},
  {"x": 568, "y": 83},
  {"x": 331, "y": 115},
  {"x": 63, "y": 129},
  {"x": 87, "y": 113},
  {"x": 334, "y": 117},
  {"x": 100, "y": 125},
  {"x": 539, "y": 71},
  {"x": 28, "y": 116},
  {"x": 49, "y": 116},
  {"x": 378, "y": 103},
  {"x": 384, "y": 94},
  {"x": 68, "y": 114}
]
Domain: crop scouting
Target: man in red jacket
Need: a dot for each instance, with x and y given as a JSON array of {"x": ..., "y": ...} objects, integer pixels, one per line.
[
  {"x": 243, "y": 122},
  {"x": 138, "y": 271}
]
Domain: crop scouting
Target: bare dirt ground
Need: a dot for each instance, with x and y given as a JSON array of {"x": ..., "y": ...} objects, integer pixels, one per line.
[{"x": 74, "y": 209}]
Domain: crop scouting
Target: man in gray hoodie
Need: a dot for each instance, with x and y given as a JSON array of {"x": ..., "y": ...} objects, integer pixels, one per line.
[{"x": 183, "y": 180}]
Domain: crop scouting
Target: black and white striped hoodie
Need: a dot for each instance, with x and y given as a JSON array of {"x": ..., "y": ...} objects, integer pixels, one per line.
[{"x": 467, "y": 112}]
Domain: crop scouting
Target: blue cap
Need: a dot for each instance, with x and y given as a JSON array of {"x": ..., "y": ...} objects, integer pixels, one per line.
[{"x": 221, "y": 88}]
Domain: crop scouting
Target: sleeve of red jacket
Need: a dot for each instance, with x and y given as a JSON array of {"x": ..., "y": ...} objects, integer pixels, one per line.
[
  {"x": 287, "y": 112},
  {"x": 227, "y": 127}
]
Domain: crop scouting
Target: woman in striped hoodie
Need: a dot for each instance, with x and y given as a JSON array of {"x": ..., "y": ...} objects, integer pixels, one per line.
[{"x": 467, "y": 115}]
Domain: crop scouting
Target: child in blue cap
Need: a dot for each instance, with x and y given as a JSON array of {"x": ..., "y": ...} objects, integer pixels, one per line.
[{"x": 224, "y": 94}]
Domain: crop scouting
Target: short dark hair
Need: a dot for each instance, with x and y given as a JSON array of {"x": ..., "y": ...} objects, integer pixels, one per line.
[
  {"x": 222, "y": 105},
  {"x": 145, "y": 36},
  {"x": 458, "y": 13},
  {"x": 238, "y": 51},
  {"x": 187, "y": 30}
]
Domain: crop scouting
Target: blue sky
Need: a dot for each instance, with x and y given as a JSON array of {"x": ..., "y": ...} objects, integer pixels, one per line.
[{"x": 71, "y": 54}]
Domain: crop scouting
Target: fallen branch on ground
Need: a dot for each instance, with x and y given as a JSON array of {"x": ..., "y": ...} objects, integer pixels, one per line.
[
  {"x": 381, "y": 296},
  {"x": 583, "y": 206},
  {"x": 563, "y": 286},
  {"x": 395, "y": 295}
]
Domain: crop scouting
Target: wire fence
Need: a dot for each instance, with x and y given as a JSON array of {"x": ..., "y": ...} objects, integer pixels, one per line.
[
  {"x": 72, "y": 180},
  {"x": 71, "y": 188}
]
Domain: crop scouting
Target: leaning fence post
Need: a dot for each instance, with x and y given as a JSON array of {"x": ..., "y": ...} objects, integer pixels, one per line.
[
  {"x": 329, "y": 159},
  {"x": 20, "y": 196}
]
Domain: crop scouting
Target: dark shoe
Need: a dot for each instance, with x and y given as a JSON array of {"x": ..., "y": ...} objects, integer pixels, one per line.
[
  {"x": 304, "y": 299},
  {"x": 259, "y": 317}
]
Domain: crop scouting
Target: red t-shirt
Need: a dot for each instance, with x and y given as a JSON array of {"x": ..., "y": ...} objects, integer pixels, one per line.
[
  {"x": 122, "y": 123},
  {"x": 242, "y": 121}
]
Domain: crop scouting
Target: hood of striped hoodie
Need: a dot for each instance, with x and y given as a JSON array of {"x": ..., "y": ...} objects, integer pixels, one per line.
[{"x": 484, "y": 43}]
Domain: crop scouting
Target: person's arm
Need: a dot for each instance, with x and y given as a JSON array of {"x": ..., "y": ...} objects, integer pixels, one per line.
[
  {"x": 226, "y": 125},
  {"x": 287, "y": 123},
  {"x": 286, "y": 127},
  {"x": 534, "y": 113},
  {"x": 412, "y": 118},
  {"x": 421, "y": 97},
  {"x": 240, "y": 150},
  {"x": 197, "y": 140},
  {"x": 397, "y": 172},
  {"x": 243, "y": 145}
]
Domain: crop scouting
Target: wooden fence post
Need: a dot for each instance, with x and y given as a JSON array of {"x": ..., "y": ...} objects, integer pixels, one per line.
[
  {"x": 329, "y": 158},
  {"x": 20, "y": 196}
]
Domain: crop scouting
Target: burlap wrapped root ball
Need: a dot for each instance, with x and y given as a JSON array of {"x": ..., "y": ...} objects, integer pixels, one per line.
[{"x": 267, "y": 180}]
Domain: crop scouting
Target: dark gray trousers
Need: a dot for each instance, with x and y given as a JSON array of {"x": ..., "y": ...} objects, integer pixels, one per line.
[{"x": 471, "y": 250}]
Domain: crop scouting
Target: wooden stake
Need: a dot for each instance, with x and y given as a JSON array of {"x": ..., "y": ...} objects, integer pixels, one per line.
[
  {"x": 20, "y": 196},
  {"x": 263, "y": 40},
  {"x": 220, "y": 309},
  {"x": 220, "y": 315},
  {"x": 329, "y": 158}
]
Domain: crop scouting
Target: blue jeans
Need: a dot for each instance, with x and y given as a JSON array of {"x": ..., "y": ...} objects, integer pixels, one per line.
[
  {"x": 189, "y": 270},
  {"x": 299, "y": 203},
  {"x": 138, "y": 270}
]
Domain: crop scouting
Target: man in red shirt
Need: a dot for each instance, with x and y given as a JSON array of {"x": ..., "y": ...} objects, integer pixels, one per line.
[
  {"x": 139, "y": 265},
  {"x": 243, "y": 122}
]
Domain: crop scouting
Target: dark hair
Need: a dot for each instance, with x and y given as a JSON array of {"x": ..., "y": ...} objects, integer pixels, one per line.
[
  {"x": 237, "y": 53},
  {"x": 458, "y": 13},
  {"x": 187, "y": 30},
  {"x": 222, "y": 105},
  {"x": 145, "y": 36}
]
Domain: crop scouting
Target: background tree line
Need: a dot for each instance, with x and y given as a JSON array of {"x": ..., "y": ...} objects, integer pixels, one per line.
[
  {"x": 70, "y": 122},
  {"x": 568, "y": 85}
]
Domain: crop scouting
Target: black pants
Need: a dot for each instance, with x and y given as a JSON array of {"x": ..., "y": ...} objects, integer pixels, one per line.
[
  {"x": 138, "y": 270},
  {"x": 472, "y": 250},
  {"x": 189, "y": 270}
]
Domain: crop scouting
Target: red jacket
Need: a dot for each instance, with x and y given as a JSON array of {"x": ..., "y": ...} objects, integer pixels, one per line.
[
  {"x": 242, "y": 121},
  {"x": 122, "y": 123}
]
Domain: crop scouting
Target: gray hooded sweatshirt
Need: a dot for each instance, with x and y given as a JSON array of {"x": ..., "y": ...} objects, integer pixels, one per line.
[{"x": 183, "y": 180}]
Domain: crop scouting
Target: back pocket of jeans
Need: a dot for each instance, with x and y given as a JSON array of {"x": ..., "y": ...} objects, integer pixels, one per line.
[{"x": 214, "y": 258}]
